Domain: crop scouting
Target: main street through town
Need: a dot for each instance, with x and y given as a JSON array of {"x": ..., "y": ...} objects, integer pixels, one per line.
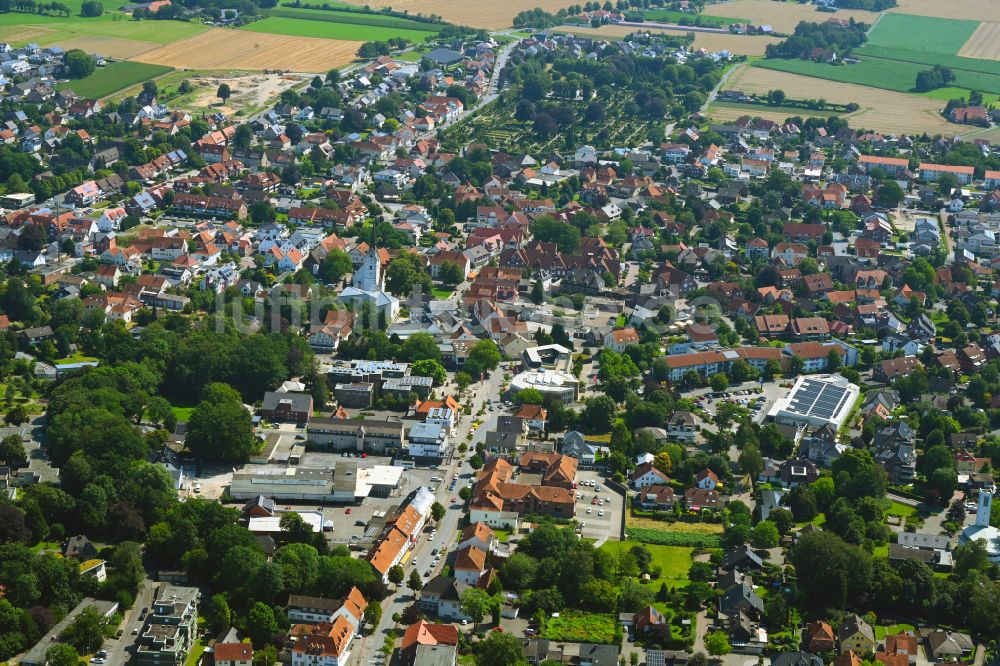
[{"x": 420, "y": 557}]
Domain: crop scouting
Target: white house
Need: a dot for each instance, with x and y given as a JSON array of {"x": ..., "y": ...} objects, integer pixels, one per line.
[{"x": 647, "y": 475}]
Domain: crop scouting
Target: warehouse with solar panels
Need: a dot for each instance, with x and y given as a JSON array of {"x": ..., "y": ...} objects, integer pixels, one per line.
[{"x": 817, "y": 400}]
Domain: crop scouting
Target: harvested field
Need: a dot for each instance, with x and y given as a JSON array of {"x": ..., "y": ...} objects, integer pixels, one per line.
[
  {"x": 463, "y": 12},
  {"x": 221, "y": 48},
  {"x": 738, "y": 44},
  {"x": 111, "y": 47},
  {"x": 783, "y": 16},
  {"x": 974, "y": 10},
  {"x": 882, "y": 110},
  {"x": 984, "y": 43}
]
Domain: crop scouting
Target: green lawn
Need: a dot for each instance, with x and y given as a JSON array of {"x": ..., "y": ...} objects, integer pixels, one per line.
[
  {"x": 674, "y": 561},
  {"x": 78, "y": 357},
  {"x": 195, "y": 655},
  {"x": 183, "y": 414},
  {"x": 47, "y": 545},
  {"x": 882, "y": 631},
  {"x": 934, "y": 35},
  {"x": 114, "y": 77},
  {"x": 330, "y": 30},
  {"x": 579, "y": 627},
  {"x": 410, "y": 56},
  {"x": 442, "y": 293},
  {"x": 902, "y": 510},
  {"x": 502, "y": 535}
]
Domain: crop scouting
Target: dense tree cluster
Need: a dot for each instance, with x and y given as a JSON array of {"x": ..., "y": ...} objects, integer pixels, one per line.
[{"x": 810, "y": 38}]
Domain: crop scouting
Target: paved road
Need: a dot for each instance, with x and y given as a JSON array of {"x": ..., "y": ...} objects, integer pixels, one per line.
[
  {"x": 367, "y": 650},
  {"x": 117, "y": 648}
]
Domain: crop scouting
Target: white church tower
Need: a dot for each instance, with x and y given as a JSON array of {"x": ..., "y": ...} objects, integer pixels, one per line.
[
  {"x": 984, "y": 508},
  {"x": 368, "y": 277}
]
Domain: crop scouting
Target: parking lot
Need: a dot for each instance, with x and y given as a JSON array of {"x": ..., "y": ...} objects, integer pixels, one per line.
[
  {"x": 746, "y": 395},
  {"x": 596, "y": 526}
]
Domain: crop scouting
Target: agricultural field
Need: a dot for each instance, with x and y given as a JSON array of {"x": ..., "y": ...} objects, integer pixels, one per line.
[
  {"x": 492, "y": 15},
  {"x": 783, "y": 16},
  {"x": 221, "y": 48},
  {"x": 984, "y": 43},
  {"x": 883, "y": 110},
  {"x": 674, "y": 16},
  {"x": 933, "y": 35},
  {"x": 748, "y": 45},
  {"x": 114, "y": 77},
  {"x": 20, "y": 29},
  {"x": 974, "y": 10},
  {"x": 896, "y": 75},
  {"x": 329, "y": 29},
  {"x": 713, "y": 41},
  {"x": 354, "y": 18}
]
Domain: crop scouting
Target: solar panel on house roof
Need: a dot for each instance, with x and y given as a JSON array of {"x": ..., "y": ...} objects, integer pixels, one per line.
[{"x": 818, "y": 399}]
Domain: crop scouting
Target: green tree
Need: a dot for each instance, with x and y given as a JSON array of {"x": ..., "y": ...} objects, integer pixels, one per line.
[
  {"x": 78, "y": 64},
  {"x": 415, "y": 583},
  {"x": 500, "y": 649},
  {"x": 529, "y": 396},
  {"x": 476, "y": 604},
  {"x": 483, "y": 357},
  {"x": 12, "y": 450},
  {"x": 334, "y": 266},
  {"x": 86, "y": 632},
  {"x": 717, "y": 643},
  {"x": 420, "y": 346},
  {"x": 224, "y": 92},
  {"x": 261, "y": 624},
  {"x": 889, "y": 194},
  {"x": 428, "y": 367},
  {"x": 218, "y": 614},
  {"x": 220, "y": 428},
  {"x": 406, "y": 272},
  {"x": 61, "y": 654},
  {"x": 599, "y": 414},
  {"x": 396, "y": 575},
  {"x": 856, "y": 475},
  {"x": 437, "y": 511},
  {"x": 765, "y": 535},
  {"x": 719, "y": 382}
]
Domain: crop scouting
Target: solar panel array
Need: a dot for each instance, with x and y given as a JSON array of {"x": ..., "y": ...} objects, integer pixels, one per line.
[{"x": 819, "y": 399}]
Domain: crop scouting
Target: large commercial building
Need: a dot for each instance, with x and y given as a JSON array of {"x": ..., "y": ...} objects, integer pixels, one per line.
[
  {"x": 171, "y": 627},
  {"x": 817, "y": 400},
  {"x": 551, "y": 383},
  {"x": 356, "y": 434},
  {"x": 345, "y": 483},
  {"x": 707, "y": 363}
]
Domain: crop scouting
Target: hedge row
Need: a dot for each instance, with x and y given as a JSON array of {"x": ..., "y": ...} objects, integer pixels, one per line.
[{"x": 662, "y": 538}]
